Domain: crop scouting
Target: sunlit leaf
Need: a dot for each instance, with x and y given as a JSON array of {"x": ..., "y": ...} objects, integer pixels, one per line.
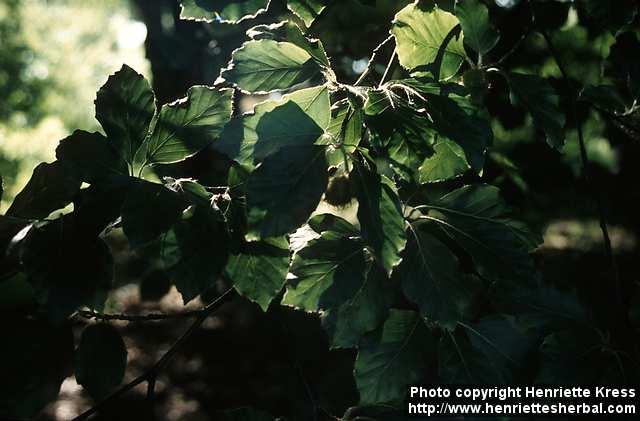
[
  {"x": 187, "y": 125},
  {"x": 427, "y": 40},
  {"x": 298, "y": 118},
  {"x": 223, "y": 11},
  {"x": 265, "y": 65}
]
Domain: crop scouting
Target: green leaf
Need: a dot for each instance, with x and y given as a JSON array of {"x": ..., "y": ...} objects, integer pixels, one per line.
[
  {"x": 326, "y": 272},
  {"x": 538, "y": 97},
  {"x": 100, "y": 360},
  {"x": 196, "y": 250},
  {"x": 265, "y": 66},
  {"x": 625, "y": 72},
  {"x": 222, "y": 11},
  {"x": 329, "y": 222},
  {"x": 543, "y": 308},
  {"x": 448, "y": 161},
  {"x": 34, "y": 361},
  {"x": 577, "y": 356},
  {"x": 246, "y": 414},
  {"x": 392, "y": 358},
  {"x": 380, "y": 216},
  {"x": 285, "y": 189},
  {"x": 307, "y": 10},
  {"x": 51, "y": 187},
  {"x": 248, "y": 139},
  {"x": 16, "y": 294},
  {"x": 431, "y": 277},
  {"x": 610, "y": 15},
  {"x": 345, "y": 130},
  {"x": 427, "y": 41},
  {"x": 476, "y": 218},
  {"x": 476, "y": 27},
  {"x": 412, "y": 116},
  {"x": 91, "y": 157},
  {"x": 149, "y": 210},
  {"x": 67, "y": 267},
  {"x": 491, "y": 351},
  {"x": 259, "y": 271},
  {"x": 455, "y": 119},
  {"x": 187, "y": 125},
  {"x": 289, "y": 32},
  {"x": 364, "y": 312},
  {"x": 125, "y": 106},
  {"x": 607, "y": 98}
]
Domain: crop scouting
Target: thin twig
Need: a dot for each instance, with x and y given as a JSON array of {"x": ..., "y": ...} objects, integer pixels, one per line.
[
  {"x": 151, "y": 374},
  {"x": 573, "y": 94},
  {"x": 90, "y": 314},
  {"x": 372, "y": 60},
  {"x": 389, "y": 65}
]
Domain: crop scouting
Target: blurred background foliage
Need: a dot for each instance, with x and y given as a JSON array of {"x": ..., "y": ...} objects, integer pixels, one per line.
[{"x": 54, "y": 55}]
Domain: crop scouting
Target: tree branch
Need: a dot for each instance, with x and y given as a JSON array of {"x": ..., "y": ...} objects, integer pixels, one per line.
[
  {"x": 573, "y": 94},
  {"x": 90, "y": 314},
  {"x": 151, "y": 374},
  {"x": 372, "y": 60}
]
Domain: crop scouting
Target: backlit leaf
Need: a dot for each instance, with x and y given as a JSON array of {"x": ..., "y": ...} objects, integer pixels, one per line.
[{"x": 427, "y": 40}]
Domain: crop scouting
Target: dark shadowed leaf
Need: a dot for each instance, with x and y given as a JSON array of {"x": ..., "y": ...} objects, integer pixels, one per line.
[
  {"x": 326, "y": 272},
  {"x": 625, "y": 72},
  {"x": 606, "y": 98},
  {"x": 329, "y": 222},
  {"x": 100, "y": 360},
  {"x": 195, "y": 250},
  {"x": 68, "y": 267},
  {"x": 246, "y": 414},
  {"x": 284, "y": 190},
  {"x": 538, "y": 97},
  {"x": 380, "y": 216},
  {"x": 51, "y": 187},
  {"x": 431, "y": 277},
  {"x": 544, "y": 308},
  {"x": 149, "y": 210},
  {"x": 34, "y": 360},
  {"x": 240, "y": 138},
  {"x": 565, "y": 354},
  {"x": 392, "y": 358},
  {"x": 610, "y": 15},
  {"x": 477, "y": 218},
  {"x": 455, "y": 119},
  {"x": 124, "y": 107},
  {"x": 258, "y": 272},
  {"x": 365, "y": 311},
  {"x": 91, "y": 157},
  {"x": 490, "y": 351}
]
